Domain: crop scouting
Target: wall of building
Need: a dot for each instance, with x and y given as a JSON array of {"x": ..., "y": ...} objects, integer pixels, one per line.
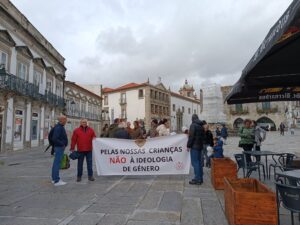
[
  {"x": 26, "y": 118},
  {"x": 186, "y": 114}
]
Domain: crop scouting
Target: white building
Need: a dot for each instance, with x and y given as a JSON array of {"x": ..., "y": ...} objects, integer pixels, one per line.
[
  {"x": 31, "y": 82},
  {"x": 133, "y": 101},
  {"x": 183, "y": 106},
  {"x": 147, "y": 101}
]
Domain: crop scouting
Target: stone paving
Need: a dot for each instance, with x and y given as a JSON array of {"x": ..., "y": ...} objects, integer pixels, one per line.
[{"x": 28, "y": 197}]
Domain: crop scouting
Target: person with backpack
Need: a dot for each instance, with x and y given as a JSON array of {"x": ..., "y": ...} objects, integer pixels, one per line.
[
  {"x": 83, "y": 137},
  {"x": 224, "y": 134},
  {"x": 59, "y": 141}
]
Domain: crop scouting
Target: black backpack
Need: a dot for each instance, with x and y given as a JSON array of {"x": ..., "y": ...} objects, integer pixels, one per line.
[
  {"x": 50, "y": 141},
  {"x": 50, "y": 135}
]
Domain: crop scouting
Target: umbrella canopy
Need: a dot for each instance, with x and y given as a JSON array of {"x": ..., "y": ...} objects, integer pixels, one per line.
[{"x": 273, "y": 73}]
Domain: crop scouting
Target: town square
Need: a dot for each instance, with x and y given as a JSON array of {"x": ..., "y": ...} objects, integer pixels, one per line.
[{"x": 135, "y": 112}]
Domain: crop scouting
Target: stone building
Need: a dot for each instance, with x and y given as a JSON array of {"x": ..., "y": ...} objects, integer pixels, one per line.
[
  {"x": 183, "y": 105},
  {"x": 265, "y": 113},
  {"x": 134, "y": 101},
  {"x": 31, "y": 82},
  {"x": 82, "y": 104}
]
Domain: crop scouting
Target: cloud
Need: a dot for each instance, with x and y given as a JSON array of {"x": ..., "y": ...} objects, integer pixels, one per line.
[{"x": 116, "y": 42}]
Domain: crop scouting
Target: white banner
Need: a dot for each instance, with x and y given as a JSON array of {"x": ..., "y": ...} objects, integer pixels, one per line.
[{"x": 154, "y": 156}]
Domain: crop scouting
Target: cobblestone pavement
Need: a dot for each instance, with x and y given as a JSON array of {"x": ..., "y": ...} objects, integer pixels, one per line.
[{"x": 28, "y": 197}]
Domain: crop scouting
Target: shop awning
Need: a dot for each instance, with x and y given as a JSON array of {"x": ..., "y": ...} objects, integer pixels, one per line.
[{"x": 273, "y": 73}]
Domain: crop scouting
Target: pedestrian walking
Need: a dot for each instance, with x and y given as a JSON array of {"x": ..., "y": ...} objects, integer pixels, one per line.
[
  {"x": 195, "y": 146},
  {"x": 281, "y": 128},
  {"x": 82, "y": 138},
  {"x": 260, "y": 136},
  {"x": 60, "y": 142},
  {"x": 247, "y": 134},
  {"x": 224, "y": 134}
]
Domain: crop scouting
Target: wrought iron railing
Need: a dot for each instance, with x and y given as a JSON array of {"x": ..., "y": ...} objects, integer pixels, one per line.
[
  {"x": 82, "y": 114},
  {"x": 22, "y": 87}
]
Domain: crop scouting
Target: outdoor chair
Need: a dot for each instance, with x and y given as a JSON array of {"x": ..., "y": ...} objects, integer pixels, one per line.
[
  {"x": 253, "y": 166},
  {"x": 287, "y": 180},
  {"x": 290, "y": 198},
  {"x": 284, "y": 162}
]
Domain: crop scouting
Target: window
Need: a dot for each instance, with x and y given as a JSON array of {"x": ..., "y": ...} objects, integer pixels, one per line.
[
  {"x": 105, "y": 100},
  {"x": 58, "y": 90},
  {"x": 83, "y": 107},
  {"x": 151, "y": 93},
  {"x": 159, "y": 96},
  {"x": 22, "y": 70},
  {"x": 155, "y": 94},
  {"x": 123, "y": 98},
  {"x": 152, "y": 109},
  {"x": 167, "y": 110},
  {"x": 189, "y": 110},
  {"x": 183, "y": 109},
  {"x": 195, "y": 111},
  {"x": 37, "y": 78},
  {"x": 141, "y": 93},
  {"x": 174, "y": 107},
  {"x": 266, "y": 105},
  {"x": 123, "y": 113},
  {"x": 49, "y": 85},
  {"x": 160, "y": 110},
  {"x": 3, "y": 59},
  {"x": 156, "y": 109},
  {"x": 18, "y": 125},
  {"x": 239, "y": 107}
]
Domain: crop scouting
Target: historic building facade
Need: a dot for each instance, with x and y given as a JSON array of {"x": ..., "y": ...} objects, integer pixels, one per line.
[
  {"x": 183, "y": 105},
  {"x": 265, "y": 113},
  {"x": 31, "y": 82},
  {"x": 148, "y": 101},
  {"x": 134, "y": 101},
  {"x": 82, "y": 104}
]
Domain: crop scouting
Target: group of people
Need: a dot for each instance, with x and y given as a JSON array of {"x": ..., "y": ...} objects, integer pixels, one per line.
[
  {"x": 83, "y": 136},
  {"x": 252, "y": 137},
  {"x": 200, "y": 140},
  {"x": 123, "y": 130}
]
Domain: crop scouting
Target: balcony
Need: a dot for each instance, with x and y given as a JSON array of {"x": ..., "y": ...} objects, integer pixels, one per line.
[
  {"x": 122, "y": 101},
  {"x": 12, "y": 83},
  {"x": 82, "y": 114},
  {"x": 267, "y": 110},
  {"x": 239, "y": 112}
]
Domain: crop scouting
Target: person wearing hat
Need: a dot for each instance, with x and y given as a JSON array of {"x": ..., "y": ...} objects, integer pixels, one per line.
[{"x": 83, "y": 137}]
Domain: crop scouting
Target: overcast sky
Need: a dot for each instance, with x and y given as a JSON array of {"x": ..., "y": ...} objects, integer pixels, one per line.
[{"x": 113, "y": 42}]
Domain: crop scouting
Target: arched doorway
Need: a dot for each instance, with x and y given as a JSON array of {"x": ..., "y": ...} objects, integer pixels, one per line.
[
  {"x": 238, "y": 123},
  {"x": 266, "y": 123}
]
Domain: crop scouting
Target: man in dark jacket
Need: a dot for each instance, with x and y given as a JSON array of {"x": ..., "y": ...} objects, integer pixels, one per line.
[
  {"x": 224, "y": 133},
  {"x": 195, "y": 144},
  {"x": 113, "y": 127},
  {"x": 83, "y": 137},
  {"x": 60, "y": 142},
  {"x": 122, "y": 132}
]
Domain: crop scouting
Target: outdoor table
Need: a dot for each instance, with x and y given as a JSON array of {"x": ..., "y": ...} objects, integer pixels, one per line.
[
  {"x": 294, "y": 174},
  {"x": 261, "y": 153}
]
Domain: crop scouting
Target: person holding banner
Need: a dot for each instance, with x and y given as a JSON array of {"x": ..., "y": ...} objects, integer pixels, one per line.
[
  {"x": 83, "y": 137},
  {"x": 195, "y": 145}
]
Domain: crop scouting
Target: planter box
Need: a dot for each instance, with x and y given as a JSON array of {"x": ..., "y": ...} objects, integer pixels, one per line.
[
  {"x": 220, "y": 168},
  {"x": 249, "y": 202}
]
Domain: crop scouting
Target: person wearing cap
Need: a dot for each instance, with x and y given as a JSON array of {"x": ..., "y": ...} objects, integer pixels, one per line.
[{"x": 83, "y": 137}]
